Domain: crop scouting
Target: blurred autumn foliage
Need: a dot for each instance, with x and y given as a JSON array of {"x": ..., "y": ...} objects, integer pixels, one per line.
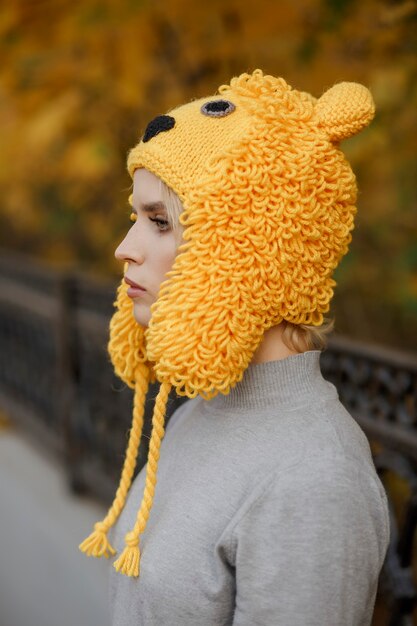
[{"x": 80, "y": 81}]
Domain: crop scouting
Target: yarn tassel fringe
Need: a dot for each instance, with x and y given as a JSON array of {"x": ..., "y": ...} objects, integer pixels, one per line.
[
  {"x": 128, "y": 561},
  {"x": 97, "y": 544}
]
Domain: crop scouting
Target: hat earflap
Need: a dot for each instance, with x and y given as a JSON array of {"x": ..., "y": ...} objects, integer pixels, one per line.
[
  {"x": 126, "y": 345},
  {"x": 344, "y": 110},
  {"x": 128, "y": 355}
]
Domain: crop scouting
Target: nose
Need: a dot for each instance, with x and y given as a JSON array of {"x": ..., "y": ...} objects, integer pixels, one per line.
[{"x": 129, "y": 250}]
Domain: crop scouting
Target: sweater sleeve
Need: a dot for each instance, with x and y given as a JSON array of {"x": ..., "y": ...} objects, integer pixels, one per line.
[{"x": 309, "y": 548}]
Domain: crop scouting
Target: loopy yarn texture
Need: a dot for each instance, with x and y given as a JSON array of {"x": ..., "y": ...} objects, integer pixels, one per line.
[
  {"x": 127, "y": 342},
  {"x": 269, "y": 205}
]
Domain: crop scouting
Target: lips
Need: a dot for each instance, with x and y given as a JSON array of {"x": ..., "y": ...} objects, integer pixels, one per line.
[
  {"x": 133, "y": 284},
  {"x": 134, "y": 289}
]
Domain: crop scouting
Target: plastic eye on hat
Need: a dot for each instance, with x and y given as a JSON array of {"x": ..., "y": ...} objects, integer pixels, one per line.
[{"x": 218, "y": 108}]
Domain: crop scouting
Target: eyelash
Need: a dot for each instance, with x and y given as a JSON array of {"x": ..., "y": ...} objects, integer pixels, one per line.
[{"x": 163, "y": 225}]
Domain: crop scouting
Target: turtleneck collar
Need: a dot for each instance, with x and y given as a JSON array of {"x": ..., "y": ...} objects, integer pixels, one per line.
[{"x": 286, "y": 383}]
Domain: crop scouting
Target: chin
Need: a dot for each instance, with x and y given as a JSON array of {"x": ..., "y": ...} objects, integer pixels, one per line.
[{"x": 141, "y": 314}]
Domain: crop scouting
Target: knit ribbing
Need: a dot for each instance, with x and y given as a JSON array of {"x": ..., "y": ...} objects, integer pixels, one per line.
[{"x": 287, "y": 383}]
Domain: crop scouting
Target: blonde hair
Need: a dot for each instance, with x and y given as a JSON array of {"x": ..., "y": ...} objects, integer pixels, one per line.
[
  {"x": 298, "y": 337},
  {"x": 303, "y": 337},
  {"x": 173, "y": 208}
]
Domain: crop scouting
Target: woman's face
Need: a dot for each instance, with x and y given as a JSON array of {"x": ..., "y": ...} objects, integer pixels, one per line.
[{"x": 149, "y": 247}]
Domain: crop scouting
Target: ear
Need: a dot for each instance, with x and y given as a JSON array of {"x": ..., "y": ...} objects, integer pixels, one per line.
[{"x": 344, "y": 110}]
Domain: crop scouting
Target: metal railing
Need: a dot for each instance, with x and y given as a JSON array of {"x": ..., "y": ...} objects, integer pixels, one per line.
[{"x": 56, "y": 381}]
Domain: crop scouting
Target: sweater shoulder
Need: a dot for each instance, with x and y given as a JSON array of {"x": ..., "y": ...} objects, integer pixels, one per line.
[{"x": 315, "y": 484}]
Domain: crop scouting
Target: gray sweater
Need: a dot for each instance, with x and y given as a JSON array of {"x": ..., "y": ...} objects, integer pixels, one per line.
[{"x": 267, "y": 511}]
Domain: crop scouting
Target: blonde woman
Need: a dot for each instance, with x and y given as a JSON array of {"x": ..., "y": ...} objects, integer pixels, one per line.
[{"x": 260, "y": 504}]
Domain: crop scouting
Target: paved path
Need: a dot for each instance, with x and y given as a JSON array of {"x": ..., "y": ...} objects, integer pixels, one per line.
[{"x": 44, "y": 579}]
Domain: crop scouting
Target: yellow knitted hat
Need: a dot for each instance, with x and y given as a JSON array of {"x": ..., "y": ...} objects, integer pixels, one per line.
[{"x": 269, "y": 203}]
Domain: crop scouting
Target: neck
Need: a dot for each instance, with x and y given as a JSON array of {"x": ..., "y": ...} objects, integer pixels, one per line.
[{"x": 272, "y": 347}]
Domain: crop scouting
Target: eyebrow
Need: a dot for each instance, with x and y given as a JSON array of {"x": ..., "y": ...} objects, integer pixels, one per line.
[{"x": 152, "y": 207}]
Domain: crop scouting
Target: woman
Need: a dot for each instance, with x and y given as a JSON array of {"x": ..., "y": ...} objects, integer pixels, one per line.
[{"x": 268, "y": 509}]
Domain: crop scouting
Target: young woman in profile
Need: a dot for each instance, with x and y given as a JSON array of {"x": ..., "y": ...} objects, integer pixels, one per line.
[{"x": 260, "y": 504}]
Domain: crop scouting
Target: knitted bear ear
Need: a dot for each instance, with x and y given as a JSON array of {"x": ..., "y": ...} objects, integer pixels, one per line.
[{"x": 344, "y": 110}]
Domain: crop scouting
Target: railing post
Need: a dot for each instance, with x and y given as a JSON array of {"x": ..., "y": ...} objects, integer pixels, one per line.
[{"x": 67, "y": 360}]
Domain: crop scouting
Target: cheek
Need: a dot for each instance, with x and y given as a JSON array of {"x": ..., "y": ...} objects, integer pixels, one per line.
[{"x": 169, "y": 256}]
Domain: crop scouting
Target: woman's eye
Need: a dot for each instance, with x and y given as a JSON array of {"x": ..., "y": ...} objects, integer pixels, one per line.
[
  {"x": 133, "y": 217},
  {"x": 161, "y": 223}
]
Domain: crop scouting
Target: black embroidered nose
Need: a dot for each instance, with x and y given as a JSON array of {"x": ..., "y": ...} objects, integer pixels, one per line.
[{"x": 158, "y": 125}]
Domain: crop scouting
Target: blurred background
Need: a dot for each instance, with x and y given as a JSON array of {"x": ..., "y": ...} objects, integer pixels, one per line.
[{"x": 79, "y": 81}]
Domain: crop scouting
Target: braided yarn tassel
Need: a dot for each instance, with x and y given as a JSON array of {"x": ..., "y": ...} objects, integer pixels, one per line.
[
  {"x": 128, "y": 561},
  {"x": 97, "y": 544}
]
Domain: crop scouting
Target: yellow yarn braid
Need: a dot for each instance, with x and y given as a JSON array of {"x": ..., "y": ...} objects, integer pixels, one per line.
[
  {"x": 128, "y": 562},
  {"x": 97, "y": 544}
]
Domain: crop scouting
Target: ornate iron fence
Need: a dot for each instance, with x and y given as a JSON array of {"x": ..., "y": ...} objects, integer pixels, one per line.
[
  {"x": 56, "y": 382},
  {"x": 379, "y": 388}
]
